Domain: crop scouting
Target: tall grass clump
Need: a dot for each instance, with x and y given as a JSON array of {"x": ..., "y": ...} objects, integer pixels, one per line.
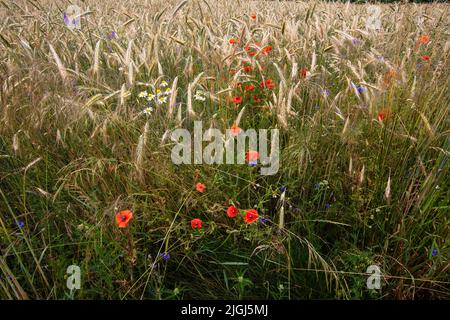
[{"x": 86, "y": 121}]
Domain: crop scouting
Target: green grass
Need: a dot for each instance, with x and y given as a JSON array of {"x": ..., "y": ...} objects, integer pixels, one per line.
[{"x": 69, "y": 158}]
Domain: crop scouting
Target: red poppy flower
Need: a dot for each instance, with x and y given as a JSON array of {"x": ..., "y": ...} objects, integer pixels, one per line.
[
  {"x": 237, "y": 99},
  {"x": 423, "y": 39},
  {"x": 251, "y": 53},
  {"x": 304, "y": 72},
  {"x": 200, "y": 187},
  {"x": 235, "y": 130},
  {"x": 250, "y": 87},
  {"x": 383, "y": 114},
  {"x": 256, "y": 99},
  {"x": 232, "y": 211},
  {"x": 233, "y": 41},
  {"x": 123, "y": 217},
  {"x": 253, "y": 16},
  {"x": 239, "y": 84},
  {"x": 266, "y": 50},
  {"x": 252, "y": 155},
  {"x": 196, "y": 223},
  {"x": 251, "y": 215},
  {"x": 425, "y": 58},
  {"x": 268, "y": 84},
  {"x": 247, "y": 48},
  {"x": 248, "y": 68},
  {"x": 232, "y": 71}
]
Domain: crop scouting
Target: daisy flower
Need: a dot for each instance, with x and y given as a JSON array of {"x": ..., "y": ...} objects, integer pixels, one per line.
[
  {"x": 199, "y": 96},
  {"x": 148, "y": 111},
  {"x": 162, "y": 100}
]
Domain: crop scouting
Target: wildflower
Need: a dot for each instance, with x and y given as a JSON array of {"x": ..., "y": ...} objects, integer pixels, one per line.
[
  {"x": 253, "y": 163},
  {"x": 251, "y": 215},
  {"x": 165, "y": 256},
  {"x": 266, "y": 50},
  {"x": 233, "y": 41},
  {"x": 282, "y": 188},
  {"x": 162, "y": 100},
  {"x": 360, "y": 88},
  {"x": 237, "y": 99},
  {"x": 252, "y": 155},
  {"x": 20, "y": 224},
  {"x": 356, "y": 41},
  {"x": 150, "y": 96},
  {"x": 168, "y": 91},
  {"x": 388, "y": 76},
  {"x": 163, "y": 84},
  {"x": 327, "y": 206},
  {"x": 148, "y": 111},
  {"x": 253, "y": 16},
  {"x": 142, "y": 94},
  {"x": 66, "y": 19},
  {"x": 423, "y": 39},
  {"x": 325, "y": 92},
  {"x": 196, "y": 223},
  {"x": 425, "y": 58},
  {"x": 251, "y": 53},
  {"x": 249, "y": 87},
  {"x": 248, "y": 68},
  {"x": 304, "y": 73},
  {"x": 239, "y": 85},
  {"x": 123, "y": 218},
  {"x": 381, "y": 115},
  {"x": 158, "y": 92},
  {"x": 235, "y": 130},
  {"x": 112, "y": 35},
  {"x": 200, "y": 187},
  {"x": 435, "y": 252},
  {"x": 263, "y": 219},
  {"x": 256, "y": 99},
  {"x": 232, "y": 211},
  {"x": 267, "y": 84},
  {"x": 199, "y": 96}
]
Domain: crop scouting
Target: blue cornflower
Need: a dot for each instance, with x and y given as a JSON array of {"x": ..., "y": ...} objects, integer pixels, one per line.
[
  {"x": 435, "y": 252},
  {"x": 66, "y": 19},
  {"x": 253, "y": 163},
  {"x": 360, "y": 89},
  {"x": 356, "y": 41},
  {"x": 283, "y": 188},
  {"x": 325, "y": 92},
  {"x": 112, "y": 35},
  {"x": 20, "y": 224},
  {"x": 165, "y": 256},
  {"x": 327, "y": 206},
  {"x": 263, "y": 219}
]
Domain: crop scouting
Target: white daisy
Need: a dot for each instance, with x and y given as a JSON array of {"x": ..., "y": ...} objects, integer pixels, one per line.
[
  {"x": 148, "y": 110},
  {"x": 142, "y": 94},
  {"x": 162, "y": 100},
  {"x": 163, "y": 84},
  {"x": 199, "y": 96}
]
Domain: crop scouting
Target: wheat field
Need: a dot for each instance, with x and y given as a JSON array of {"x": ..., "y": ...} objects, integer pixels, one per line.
[{"x": 86, "y": 177}]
